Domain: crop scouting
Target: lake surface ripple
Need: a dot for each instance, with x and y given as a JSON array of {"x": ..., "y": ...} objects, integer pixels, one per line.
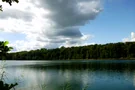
[{"x": 70, "y": 75}]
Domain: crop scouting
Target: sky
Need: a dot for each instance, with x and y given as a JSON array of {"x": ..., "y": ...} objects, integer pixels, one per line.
[{"x": 35, "y": 24}]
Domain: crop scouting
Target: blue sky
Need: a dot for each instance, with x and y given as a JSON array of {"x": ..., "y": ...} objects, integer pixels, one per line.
[
  {"x": 115, "y": 22},
  {"x": 109, "y": 21}
]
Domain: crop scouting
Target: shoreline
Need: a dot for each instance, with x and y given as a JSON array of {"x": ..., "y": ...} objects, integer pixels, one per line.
[{"x": 75, "y": 59}]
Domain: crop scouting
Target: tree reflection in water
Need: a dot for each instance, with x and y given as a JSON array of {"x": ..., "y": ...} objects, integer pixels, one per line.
[{"x": 77, "y": 75}]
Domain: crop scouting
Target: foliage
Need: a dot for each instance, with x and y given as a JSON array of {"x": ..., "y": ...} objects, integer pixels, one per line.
[
  {"x": 8, "y": 1},
  {"x": 4, "y": 48},
  {"x": 0, "y": 7},
  {"x": 5, "y": 86},
  {"x": 97, "y": 51}
]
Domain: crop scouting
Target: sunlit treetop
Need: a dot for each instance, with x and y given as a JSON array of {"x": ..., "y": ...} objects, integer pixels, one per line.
[{"x": 4, "y": 47}]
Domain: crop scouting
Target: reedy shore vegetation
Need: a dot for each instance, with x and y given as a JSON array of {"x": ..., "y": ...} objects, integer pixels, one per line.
[
  {"x": 4, "y": 48},
  {"x": 98, "y": 51}
]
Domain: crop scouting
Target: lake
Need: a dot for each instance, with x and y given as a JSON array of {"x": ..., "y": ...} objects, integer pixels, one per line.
[{"x": 70, "y": 75}]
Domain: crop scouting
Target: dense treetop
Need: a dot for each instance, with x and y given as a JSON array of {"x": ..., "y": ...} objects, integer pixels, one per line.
[{"x": 97, "y": 51}]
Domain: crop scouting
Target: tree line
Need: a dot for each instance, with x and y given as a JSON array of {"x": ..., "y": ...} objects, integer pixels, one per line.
[{"x": 97, "y": 51}]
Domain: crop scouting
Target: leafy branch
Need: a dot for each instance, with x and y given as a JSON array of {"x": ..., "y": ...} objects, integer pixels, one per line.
[
  {"x": 8, "y": 1},
  {"x": 4, "y": 48}
]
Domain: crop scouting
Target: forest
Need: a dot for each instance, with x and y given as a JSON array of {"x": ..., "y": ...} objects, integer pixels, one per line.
[{"x": 98, "y": 51}]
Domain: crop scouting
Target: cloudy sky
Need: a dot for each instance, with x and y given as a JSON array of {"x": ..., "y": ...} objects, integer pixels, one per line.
[{"x": 35, "y": 24}]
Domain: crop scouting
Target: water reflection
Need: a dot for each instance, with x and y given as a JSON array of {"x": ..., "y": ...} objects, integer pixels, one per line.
[{"x": 77, "y": 75}]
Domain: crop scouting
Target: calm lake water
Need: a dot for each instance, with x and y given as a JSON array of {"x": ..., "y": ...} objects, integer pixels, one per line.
[{"x": 71, "y": 75}]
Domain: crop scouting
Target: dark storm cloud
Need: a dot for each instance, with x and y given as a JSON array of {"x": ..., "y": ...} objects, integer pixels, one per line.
[
  {"x": 65, "y": 13},
  {"x": 67, "y": 16}
]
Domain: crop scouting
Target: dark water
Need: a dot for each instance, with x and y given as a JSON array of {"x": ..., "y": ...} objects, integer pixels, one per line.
[{"x": 71, "y": 75}]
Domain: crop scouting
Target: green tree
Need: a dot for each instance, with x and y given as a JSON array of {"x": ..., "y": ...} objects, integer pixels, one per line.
[{"x": 4, "y": 48}]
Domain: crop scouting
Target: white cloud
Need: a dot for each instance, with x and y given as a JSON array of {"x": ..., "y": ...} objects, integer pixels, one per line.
[
  {"x": 48, "y": 23},
  {"x": 131, "y": 38},
  {"x": 27, "y": 45}
]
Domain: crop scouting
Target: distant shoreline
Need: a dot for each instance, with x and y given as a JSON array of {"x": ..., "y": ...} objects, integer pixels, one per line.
[
  {"x": 110, "y": 51},
  {"x": 76, "y": 59}
]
